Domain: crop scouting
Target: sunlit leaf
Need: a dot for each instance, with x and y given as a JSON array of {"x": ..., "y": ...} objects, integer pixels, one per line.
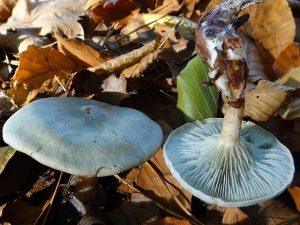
[
  {"x": 195, "y": 100},
  {"x": 5, "y": 155}
]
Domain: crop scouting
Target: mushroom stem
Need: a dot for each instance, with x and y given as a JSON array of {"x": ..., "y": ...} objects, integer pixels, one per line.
[{"x": 230, "y": 132}]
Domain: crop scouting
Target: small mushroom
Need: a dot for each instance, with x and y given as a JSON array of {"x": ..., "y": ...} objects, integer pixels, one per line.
[{"x": 83, "y": 137}]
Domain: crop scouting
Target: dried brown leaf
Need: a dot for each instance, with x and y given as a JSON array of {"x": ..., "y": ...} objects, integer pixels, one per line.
[
  {"x": 48, "y": 16},
  {"x": 41, "y": 70},
  {"x": 288, "y": 59},
  {"x": 168, "y": 221},
  {"x": 295, "y": 193},
  {"x": 80, "y": 53},
  {"x": 272, "y": 25},
  {"x": 5, "y": 155},
  {"x": 112, "y": 11},
  {"x": 167, "y": 7},
  {"x": 254, "y": 63},
  {"x": 122, "y": 62},
  {"x": 265, "y": 100},
  {"x": 292, "y": 111},
  {"x": 6, "y": 7},
  {"x": 291, "y": 78},
  {"x": 234, "y": 216},
  {"x": 137, "y": 69},
  {"x": 156, "y": 181}
]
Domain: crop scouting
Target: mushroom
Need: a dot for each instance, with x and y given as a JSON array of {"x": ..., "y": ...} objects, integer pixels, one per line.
[
  {"x": 227, "y": 162},
  {"x": 83, "y": 137}
]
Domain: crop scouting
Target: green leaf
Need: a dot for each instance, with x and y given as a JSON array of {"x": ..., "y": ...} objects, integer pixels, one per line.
[
  {"x": 5, "y": 155},
  {"x": 196, "y": 101}
]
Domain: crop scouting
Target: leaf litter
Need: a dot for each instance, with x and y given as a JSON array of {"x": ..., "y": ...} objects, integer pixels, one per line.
[{"x": 50, "y": 51}]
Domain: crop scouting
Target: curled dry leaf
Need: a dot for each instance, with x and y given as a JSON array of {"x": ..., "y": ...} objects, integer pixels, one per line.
[
  {"x": 41, "y": 70},
  {"x": 5, "y": 155},
  {"x": 292, "y": 111},
  {"x": 80, "y": 53},
  {"x": 111, "y": 11},
  {"x": 272, "y": 25},
  {"x": 157, "y": 183},
  {"x": 234, "y": 216},
  {"x": 48, "y": 16},
  {"x": 6, "y": 7},
  {"x": 255, "y": 66},
  {"x": 288, "y": 59},
  {"x": 291, "y": 78},
  {"x": 295, "y": 193},
  {"x": 265, "y": 100},
  {"x": 122, "y": 62}
]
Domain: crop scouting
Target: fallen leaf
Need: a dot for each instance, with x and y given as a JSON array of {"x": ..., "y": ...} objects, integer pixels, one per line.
[
  {"x": 137, "y": 69},
  {"x": 182, "y": 25},
  {"x": 254, "y": 63},
  {"x": 5, "y": 155},
  {"x": 271, "y": 25},
  {"x": 265, "y": 100},
  {"x": 295, "y": 193},
  {"x": 111, "y": 11},
  {"x": 168, "y": 221},
  {"x": 167, "y": 7},
  {"x": 41, "y": 70},
  {"x": 6, "y": 7},
  {"x": 292, "y": 111},
  {"x": 156, "y": 182},
  {"x": 288, "y": 59},
  {"x": 196, "y": 101},
  {"x": 291, "y": 78},
  {"x": 234, "y": 216},
  {"x": 80, "y": 53},
  {"x": 48, "y": 16},
  {"x": 124, "y": 61}
]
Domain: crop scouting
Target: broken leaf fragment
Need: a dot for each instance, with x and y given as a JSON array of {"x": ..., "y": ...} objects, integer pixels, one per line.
[
  {"x": 265, "y": 100},
  {"x": 41, "y": 70},
  {"x": 5, "y": 155}
]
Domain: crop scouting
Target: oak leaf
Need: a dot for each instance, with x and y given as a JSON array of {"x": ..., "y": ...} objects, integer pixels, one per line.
[{"x": 41, "y": 70}]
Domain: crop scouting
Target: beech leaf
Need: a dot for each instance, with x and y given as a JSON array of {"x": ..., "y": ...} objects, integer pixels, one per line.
[
  {"x": 196, "y": 101},
  {"x": 41, "y": 70},
  {"x": 264, "y": 101}
]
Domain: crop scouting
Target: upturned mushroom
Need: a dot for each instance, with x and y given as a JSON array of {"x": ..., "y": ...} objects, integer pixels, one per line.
[
  {"x": 227, "y": 162},
  {"x": 83, "y": 137}
]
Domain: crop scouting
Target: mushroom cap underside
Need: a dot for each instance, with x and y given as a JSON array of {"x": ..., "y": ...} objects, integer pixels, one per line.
[
  {"x": 83, "y": 137},
  {"x": 256, "y": 169}
]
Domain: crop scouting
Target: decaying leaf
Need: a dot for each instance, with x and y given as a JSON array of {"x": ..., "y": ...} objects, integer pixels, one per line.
[
  {"x": 6, "y": 7},
  {"x": 265, "y": 100},
  {"x": 234, "y": 216},
  {"x": 48, "y": 16},
  {"x": 196, "y": 101},
  {"x": 137, "y": 69},
  {"x": 111, "y": 11},
  {"x": 122, "y": 62},
  {"x": 291, "y": 78},
  {"x": 272, "y": 25},
  {"x": 41, "y": 70},
  {"x": 168, "y": 221},
  {"x": 292, "y": 111},
  {"x": 5, "y": 155},
  {"x": 288, "y": 59},
  {"x": 254, "y": 64},
  {"x": 157, "y": 183},
  {"x": 80, "y": 53},
  {"x": 184, "y": 26},
  {"x": 295, "y": 193}
]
